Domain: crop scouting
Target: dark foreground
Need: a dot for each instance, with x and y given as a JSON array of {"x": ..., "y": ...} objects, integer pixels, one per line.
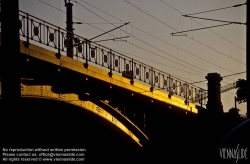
[{"x": 49, "y": 124}]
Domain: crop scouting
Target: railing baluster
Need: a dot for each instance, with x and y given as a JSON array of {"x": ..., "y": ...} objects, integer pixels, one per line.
[
  {"x": 58, "y": 55},
  {"x": 152, "y": 87},
  {"x": 132, "y": 80},
  {"x": 144, "y": 70},
  {"x": 110, "y": 64},
  {"x": 27, "y": 43},
  {"x": 86, "y": 64}
]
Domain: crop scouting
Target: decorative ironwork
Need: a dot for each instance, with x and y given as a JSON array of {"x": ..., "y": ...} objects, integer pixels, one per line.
[
  {"x": 127, "y": 67},
  {"x": 182, "y": 89},
  {"x": 79, "y": 48},
  {"x": 190, "y": 92},
  {"x": 20, "y": 24},
  {"x": 147, "y": 75},
  {"x": 36, "y": 31},
  {"x": 165, "y": 83},
  {"x": 174, "y": 86},
  {"x": 56, "y": 37},
  {"x": 76, "y": 40},
  {"x": 137, "y": 71},
  {"x": 156, "y": 79},
  {"x": 92, "y": 53},
  {"x": 116, "y": 63},
  {"x": 51, "y": 37},
  {"x": 66, "y": 43},
  {"x": 105, "y": 58},
  {"x": 197, "y": 96}
]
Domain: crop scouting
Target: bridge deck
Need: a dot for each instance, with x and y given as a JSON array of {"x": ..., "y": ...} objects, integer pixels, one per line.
[{"x": 100, "y": 74}]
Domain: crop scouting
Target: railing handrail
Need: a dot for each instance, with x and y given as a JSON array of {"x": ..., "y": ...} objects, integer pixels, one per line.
[
  {"x": 105, "y": 47},
  {"x": 108, "y": 57}
]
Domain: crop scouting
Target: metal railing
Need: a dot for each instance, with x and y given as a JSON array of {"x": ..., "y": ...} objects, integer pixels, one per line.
[{"x": 38, "y": 30}]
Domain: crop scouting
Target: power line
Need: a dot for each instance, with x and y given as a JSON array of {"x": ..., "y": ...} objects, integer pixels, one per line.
[
  {"x": 200, "y": 28},
  {"x": 89, "y": 24},
  {"x": 158, "y": 63},
  {"x": 157, "y": 37},
  {"x": 75, "y": 17},
  {"x": 113, "y": 35},
  {"x": 221, "y": 76},
  {"x": 206, "y": 80},
  {"x": 178, "y": 31},
  {"x": 219, "y": 9},
  {"x": 101, "y": 23},
  {"x": 235, "y": 74},
  {"x": 92, "y": 26},
  {"x": 204, "y": 26},
  {"x": 150, "y": 46},
  {"x": 96, "y": 28},
  {"x": 215, "y": 20},
  {"x": 150, "y": 35}
]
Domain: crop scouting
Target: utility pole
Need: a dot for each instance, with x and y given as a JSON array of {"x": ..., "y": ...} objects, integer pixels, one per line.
[{"x": 69, "y": 28}]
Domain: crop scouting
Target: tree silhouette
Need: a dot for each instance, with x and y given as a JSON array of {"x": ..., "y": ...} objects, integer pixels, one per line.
[{"x": 234, "y": 112}]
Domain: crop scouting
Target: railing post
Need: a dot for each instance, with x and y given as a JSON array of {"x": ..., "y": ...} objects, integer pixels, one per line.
[
  {"x": 151, "y": 88},
  {"x": 132, "y": 80},
  {"x": 201, "y": 100},
  {"x": 86, "y": 63},
  {"x": 186, "y": 100},
  {"x": 110, "y": 64},
  {"x": 58, "y": 54},
  {"x": 27, "y": 43}
]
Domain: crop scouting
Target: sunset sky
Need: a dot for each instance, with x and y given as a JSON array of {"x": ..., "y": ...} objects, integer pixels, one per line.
[{"x": 220, "y": 49}]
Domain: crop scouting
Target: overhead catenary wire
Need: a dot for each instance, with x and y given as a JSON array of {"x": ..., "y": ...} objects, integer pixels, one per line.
[
  {"x": 200, "y": 28},
  {"x": 104, "y": 31},
  {"x": 221, "y": 76},
  {"x": 178, "y": 31},
  {"x": 204, "y": 26},
  {"x": 148, "y": 34},
  {"x": 135, "y": 45},
  {"x": 158, "y": 37},
  {"x": 238, "y": 5},
  {"x": 95, "y": 27},
  {"x": 205, "y": 80},
  {"x": 149, "y": 45},
  {"x": 215, "y": 20},
  {"x": 100, "y": 29}
]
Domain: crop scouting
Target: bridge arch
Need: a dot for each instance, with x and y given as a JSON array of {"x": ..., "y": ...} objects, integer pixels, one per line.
[
  {"x": 100, "y": 109},
  {"x": 48, "y": 123}
]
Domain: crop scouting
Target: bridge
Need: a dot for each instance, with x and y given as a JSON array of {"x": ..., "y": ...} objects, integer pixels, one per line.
[{"x": 111, "y": 97}]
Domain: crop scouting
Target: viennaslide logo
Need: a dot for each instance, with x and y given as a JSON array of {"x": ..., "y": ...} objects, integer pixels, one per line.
[{"x": 237, "y": 153}]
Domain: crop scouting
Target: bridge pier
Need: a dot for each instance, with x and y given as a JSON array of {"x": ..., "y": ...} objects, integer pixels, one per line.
[{"x": 214, "y": 103}]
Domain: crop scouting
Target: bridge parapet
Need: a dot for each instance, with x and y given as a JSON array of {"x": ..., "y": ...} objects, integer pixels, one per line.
[
  {"x": 64, "y": 62},
  {"x": 87, "y": 51}
]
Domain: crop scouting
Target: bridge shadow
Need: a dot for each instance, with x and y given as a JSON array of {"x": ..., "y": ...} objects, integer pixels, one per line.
[{"x": 41, "y": 123}]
